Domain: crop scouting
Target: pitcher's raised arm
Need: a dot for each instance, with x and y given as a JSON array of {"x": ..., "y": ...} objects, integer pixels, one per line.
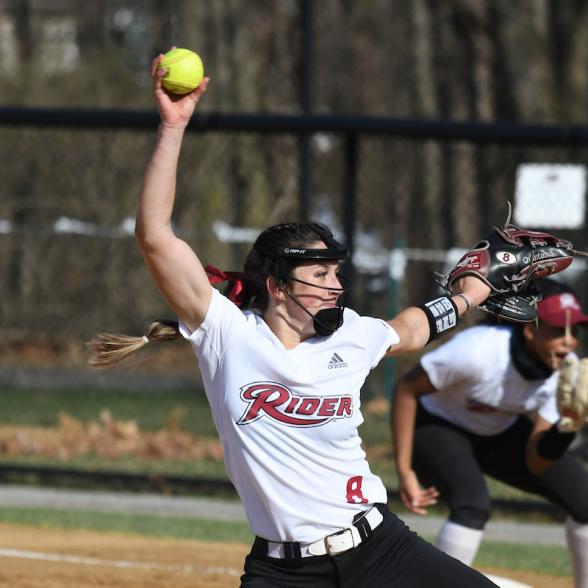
[{"x": 175, "y": 267}]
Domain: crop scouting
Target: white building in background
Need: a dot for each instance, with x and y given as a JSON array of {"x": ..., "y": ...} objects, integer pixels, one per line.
[
  {"x": 47, "y": 27},
  {"x": 59, "y": 50},
  {"x": 8, "y": 56},
  {"x": 56, "y": 32}
]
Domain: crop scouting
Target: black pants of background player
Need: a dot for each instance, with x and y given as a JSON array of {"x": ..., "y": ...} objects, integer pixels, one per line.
[
  {"x": 454, "y": 461},
  {"x": 393, "y": 557}
]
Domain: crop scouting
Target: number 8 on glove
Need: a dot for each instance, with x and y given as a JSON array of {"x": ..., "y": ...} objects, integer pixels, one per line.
[{"x": 510, "y": 260}]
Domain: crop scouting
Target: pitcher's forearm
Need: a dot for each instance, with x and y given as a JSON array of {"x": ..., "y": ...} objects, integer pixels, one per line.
[{"x": 159, "y": 185}]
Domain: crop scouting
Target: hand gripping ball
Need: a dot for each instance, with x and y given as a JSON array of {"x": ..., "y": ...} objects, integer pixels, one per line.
[{"x": 184, "y": 71}]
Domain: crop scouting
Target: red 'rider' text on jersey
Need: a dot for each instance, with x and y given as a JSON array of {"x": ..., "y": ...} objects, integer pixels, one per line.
[{"x": 288, "y": 418}]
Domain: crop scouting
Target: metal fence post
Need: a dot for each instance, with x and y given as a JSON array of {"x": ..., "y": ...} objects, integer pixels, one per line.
[
  {"x": 306, "y": 87},
  {"x": 349, "y": 205}
]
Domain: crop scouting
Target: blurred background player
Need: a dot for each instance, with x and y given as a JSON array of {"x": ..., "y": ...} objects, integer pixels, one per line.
[{"x": 484, "y": 402}]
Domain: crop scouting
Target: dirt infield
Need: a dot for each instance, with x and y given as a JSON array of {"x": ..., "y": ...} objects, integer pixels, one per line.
[{"x": 47, "y": 558}]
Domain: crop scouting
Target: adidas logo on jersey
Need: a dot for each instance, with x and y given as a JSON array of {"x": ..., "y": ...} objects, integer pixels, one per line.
[{"x": 336, "y": 362}]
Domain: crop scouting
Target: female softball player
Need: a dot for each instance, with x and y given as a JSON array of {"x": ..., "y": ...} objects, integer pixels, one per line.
[
  {"x": 282, "y": 364},
  {"x": 485, "y": 403}
]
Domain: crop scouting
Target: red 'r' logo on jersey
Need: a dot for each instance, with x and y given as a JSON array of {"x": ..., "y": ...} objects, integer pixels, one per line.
[{"x": 278, "y": 403}]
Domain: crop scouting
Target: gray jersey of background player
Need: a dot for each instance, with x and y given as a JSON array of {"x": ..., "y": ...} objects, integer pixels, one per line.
[{"x": 484, "y": 402}]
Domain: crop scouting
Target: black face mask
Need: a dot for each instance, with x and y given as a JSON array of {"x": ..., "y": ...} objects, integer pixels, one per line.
[
  {"x": 327, "y": 320},
  {"x": 525, "y": 363}
]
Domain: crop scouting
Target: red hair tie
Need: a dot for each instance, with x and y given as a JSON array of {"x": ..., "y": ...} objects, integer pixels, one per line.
[{"x": 235, "y": 294}]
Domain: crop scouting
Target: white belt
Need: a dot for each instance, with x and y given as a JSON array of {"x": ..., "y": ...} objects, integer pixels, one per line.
[{"x": 331, "y": 544}]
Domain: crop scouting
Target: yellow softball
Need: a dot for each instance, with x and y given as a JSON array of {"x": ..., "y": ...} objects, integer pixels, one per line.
[{"x": 184, "y": 71}]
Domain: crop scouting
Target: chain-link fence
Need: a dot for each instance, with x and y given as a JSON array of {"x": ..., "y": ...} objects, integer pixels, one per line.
[{"x": 70, "y": 268}]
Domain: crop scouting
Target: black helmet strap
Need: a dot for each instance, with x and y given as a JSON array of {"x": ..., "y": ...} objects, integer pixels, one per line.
[{"x": 281, "y": 258}]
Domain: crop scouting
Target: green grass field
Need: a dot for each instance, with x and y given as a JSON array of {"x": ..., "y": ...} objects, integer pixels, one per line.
[{"x": 153, "y": 411}]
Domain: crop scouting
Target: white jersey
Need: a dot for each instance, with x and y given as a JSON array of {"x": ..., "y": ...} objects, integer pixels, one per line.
[
  {"x": 478, "y": 387},
  {"x": 288, "y": 419}
]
